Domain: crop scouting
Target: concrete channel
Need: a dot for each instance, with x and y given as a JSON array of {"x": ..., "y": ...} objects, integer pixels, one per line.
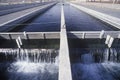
[
  {"x": 114, "y": 21},
  {"x": 18, "y": 7},
  {"x": 8, "y": 21},
  {"x": 75, "y": 54}
]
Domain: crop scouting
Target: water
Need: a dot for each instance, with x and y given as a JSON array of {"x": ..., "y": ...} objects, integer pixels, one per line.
[
  {"x": 87, "y": 58},
  {"x": 48, "y": 21},
  {"x": 29, "y": 64},
  {"x": 30, "y": 55},
  {"x": 75, "y": 19},
  {"x": 98, "y": 64},
  {"x": 101, "y": 71},
  {"x": 94, "y": 55},
  {"x": 32, "y": 43}
]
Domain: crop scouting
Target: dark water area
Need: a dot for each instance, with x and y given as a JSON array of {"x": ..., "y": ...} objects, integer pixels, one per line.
[
  {"x": 91, "y": 59},
  {"x": 77, "y": 20},
  {"x": 96, "y": 47},
  {"x": 36, "y": 43},
  {"x": 96, "y": 71},
  {"x": 45, "y": 22}
]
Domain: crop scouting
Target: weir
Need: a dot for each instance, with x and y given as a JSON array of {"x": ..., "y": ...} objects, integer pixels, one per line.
[
  {"x": 64, "y": 55},
  {"x": 29, "y": 55},
  {"x": 56, "y": 35},
  {"x": 38, "y": 62},
  {"x": 91, "y": 57}
]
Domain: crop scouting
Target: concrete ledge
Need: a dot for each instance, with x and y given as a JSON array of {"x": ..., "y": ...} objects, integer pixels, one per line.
[
  {"x": 92, "y": 34},
  {"x": 104, "y": 17},
  {"x": 30, "y": 35},
  {"x": 64, "y": 59},
  {"x": 8, "y": 22},
  {"x": 56, "y": 35}
]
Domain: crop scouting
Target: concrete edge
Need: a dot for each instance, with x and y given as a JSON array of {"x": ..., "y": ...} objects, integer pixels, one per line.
[{"x": 64, "y": 59}]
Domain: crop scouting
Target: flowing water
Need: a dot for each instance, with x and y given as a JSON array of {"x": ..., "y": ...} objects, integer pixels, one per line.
[
  {"x": 98, "y": 64},
  {"x": 29, "y": 64}
]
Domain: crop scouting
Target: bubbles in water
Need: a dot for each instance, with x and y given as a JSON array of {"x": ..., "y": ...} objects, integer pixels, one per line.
[
  {"x": 23, "y": 70},
  {"x": 30, "y": 67},
  {"x": 32, "y": 64}
]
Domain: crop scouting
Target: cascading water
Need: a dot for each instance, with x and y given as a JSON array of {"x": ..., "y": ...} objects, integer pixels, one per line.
[
  {"x": 29, "y": 64},
  {"x": 97, "y": 64},
  {"x": 31, "y": 55}
]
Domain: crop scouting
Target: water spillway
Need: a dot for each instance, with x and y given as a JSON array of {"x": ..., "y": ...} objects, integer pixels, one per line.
[
  {"x": 36, "y": 60},
  {"x": 24, "y": 64},
  {"x": 93, "y": 60},
  {"x": 29, "y": 55},
  {"x": 71, "y": 53}
]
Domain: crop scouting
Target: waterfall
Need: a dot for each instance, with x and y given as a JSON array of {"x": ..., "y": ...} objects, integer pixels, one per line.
[
  {"x": 30, "y": 55},
  {"x": 111, "y": 55},
  {"x": 101, "y": 55},
  {"x": 106, "y": 55},
  {"x": 29, "y": 64}
]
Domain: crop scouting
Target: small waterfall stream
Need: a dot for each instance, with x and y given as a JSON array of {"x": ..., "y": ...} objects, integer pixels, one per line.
[
  {"x": 30, "y": 55},
  {"x": 29, "y": 64}
]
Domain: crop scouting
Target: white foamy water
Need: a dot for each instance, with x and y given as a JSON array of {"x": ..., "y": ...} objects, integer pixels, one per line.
[
  {"x": 31, "y": 67},
  {"x": 34, "y": 64},
  {"x": 23, "y": 70}
]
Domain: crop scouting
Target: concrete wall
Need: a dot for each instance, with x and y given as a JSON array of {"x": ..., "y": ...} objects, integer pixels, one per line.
[
  {"x": 104, "y": 1},
  {"x": 19, "y": 1}
]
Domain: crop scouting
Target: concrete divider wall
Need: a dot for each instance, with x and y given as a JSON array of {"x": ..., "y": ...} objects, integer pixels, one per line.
[
  {"x": 19, "y": 8},
  {"x": 64, "y": 60}
]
